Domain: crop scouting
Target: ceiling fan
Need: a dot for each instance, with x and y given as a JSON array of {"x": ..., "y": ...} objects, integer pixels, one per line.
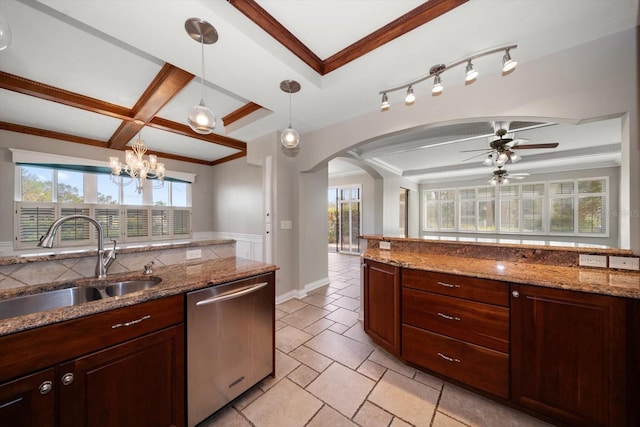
[
  {"x": 501, "y": 176},
  {"x": 500, "y": 151}
]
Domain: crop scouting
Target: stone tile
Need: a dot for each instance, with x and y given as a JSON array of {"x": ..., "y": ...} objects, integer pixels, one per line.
[
  {"x": 280, "y": 325},
  {"x": 349, "y": 352},
  {"x": 311, "y": 358},
  {"x": 289, "y": 338},
  {"x": 303, "y": 375},
  {"x": 405, "y": 398},
  {"x": 284, "y": 365},
  {"x": 280, "y": 314},
  {"x": 328, "y": 416},
  {"x": 397, "y": 422},
  {"x": 352, "y": 291},
  {"x": 383, "y": 358},
  {"x": 338, "y": 328},
  {"x": 348, "y": 303},
  {"x": 342, "y": 388},
  {"x": 286, "y": 404},
  {"x": 357, "y": 333},
  {"x": 371, "y": 370},
  {"x": 340, "y": 284},
  {"x": 331, "y": 307},
  {"x": 247, "y": 397},
  {"x": 318, "y": 300},
  {"x": 325, "y": 290},
  {"x": 226, "y": 417},
  {"x": 429, "y": 380},
  {"x": 472, "y": 409},
  {"x": 291, "y": 305},
  {"x": 370, "y": 415},
  {"x": 442, "y": 420},
  {"x": 346, "y": 317},
  {"x": 319, "y": 326},
  {"x": 305, "y": 316}
]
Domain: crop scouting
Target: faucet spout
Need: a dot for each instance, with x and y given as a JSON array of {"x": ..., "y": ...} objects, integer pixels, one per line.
[{"x": 103, "y": 262}]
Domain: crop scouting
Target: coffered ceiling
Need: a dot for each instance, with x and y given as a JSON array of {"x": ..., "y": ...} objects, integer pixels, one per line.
[{"x": 92, "y": 71}]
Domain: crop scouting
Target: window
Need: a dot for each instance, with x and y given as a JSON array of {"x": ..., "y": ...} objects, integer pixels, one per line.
[
  {"x": 571, "y": 207},
  {"x": 45, "y": 194}
]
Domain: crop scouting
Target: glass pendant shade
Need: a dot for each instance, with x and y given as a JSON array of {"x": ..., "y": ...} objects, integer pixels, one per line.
[
  {"x": 5, "y": 34},
  {"x": 201, "y": 119},
  {"x": 290, "y": 138}
]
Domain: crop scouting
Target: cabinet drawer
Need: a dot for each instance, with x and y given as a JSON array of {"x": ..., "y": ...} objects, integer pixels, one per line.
[
  {"x": 482, "y": 290},
  {"x": 476, "y": 322},
  {"x": 41, "y": 347},
  {"x": 479, "y": 367}
]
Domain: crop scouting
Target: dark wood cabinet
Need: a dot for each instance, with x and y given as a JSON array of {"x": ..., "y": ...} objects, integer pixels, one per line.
[
  {"x": 29, "y": 401},
  {"x": 569, "y": 355},
  {"x": 382, "y": 305},
  {"x": 122, "y": 367}
]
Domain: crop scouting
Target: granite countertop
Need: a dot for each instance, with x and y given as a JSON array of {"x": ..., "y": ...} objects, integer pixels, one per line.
[
  {"x": 176, "y": 279},
  {"x": 598, "y": 281}
]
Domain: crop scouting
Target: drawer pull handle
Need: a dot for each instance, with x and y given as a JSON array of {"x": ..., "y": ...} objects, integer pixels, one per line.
[
  {"x": 448, "y": 285},
  {"x": 131, "y": 323},
  {"x": 449, "y": 359},
  {"x": 446, "y": 316},
  {"x": 45, "y": 387},
  {"x": 67, "y": 378}
]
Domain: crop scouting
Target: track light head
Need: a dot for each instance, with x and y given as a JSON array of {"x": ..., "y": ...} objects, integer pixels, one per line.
[
  {"x": 437, "y": 86},
  {"x": 471, "y": 73},
  {"x": 385, "y": 103},
  {"x": 410, "y": 99},
  {"x": 508, "y": 64}
]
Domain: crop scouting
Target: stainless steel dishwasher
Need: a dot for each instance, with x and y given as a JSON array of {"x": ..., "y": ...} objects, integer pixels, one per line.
[{"x": 230, "y": 342}]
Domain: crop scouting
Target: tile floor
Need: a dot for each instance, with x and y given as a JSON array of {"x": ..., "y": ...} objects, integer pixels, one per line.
[{"x": 329, "y": 373}]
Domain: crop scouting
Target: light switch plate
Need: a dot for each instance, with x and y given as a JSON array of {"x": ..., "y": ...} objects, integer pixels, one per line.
[
  {"x": 194, "y": 253},
  {"x": 286, "y": 224},
  {"x": 624, "y": 262},
  {"x": 385, "y": 245},
  {"x": 587, "y": 260}
]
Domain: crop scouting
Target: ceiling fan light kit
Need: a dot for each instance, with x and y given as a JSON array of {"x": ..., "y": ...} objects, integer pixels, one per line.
[
  {"x": 471, "y": 74},
  {"x": 290, "y": 137},
  {"x": 201, "y": 119}
]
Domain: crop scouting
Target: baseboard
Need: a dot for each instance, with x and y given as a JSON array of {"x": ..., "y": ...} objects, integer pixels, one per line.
[
  {"x": 317, "y": 284},
  {"x": 296, "y": 293}
]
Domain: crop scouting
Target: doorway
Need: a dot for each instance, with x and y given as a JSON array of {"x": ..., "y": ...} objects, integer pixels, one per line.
[{"x": 344, "y": 218}]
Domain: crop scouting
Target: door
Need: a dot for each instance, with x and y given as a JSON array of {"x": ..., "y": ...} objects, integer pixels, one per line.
[
  {"x": 28, "y": 401},
  {"x": 382, "y": 305},
  {"x": 568, "y": 355},
  {"x": 138, "y": 383}
]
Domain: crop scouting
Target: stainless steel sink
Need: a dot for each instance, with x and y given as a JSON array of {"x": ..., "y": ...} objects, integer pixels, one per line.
[
  {"x": 28, "y": 304},
  {"x": 128, "y": 286}
]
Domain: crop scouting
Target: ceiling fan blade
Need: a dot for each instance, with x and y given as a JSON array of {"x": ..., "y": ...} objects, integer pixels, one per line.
[
  {"x": 519, "y": 174},
  {"x": 529, "y": 146},
  {"x": 516, "y": 177},
  {"x": 481, "y": 149},
  {"x": 476, "y": 156},
  {"x": 517, "y": 141}
]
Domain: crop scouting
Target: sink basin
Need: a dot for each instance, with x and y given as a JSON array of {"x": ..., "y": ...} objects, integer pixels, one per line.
[
  {"x": 128, "y": 286},
  {"x": 28, "y": 304}
]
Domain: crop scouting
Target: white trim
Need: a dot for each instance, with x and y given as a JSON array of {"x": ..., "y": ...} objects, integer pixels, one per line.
[
  {"x": 247, "y": 245},
  {"x": 317, "y": 284},
  {"x": 296, "y": 293},
  {"x": 24, "y": 156}
]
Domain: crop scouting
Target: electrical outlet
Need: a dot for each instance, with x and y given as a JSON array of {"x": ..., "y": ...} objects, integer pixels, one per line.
[
  {"x": 624, "y": 262},
  {"x": 593, "y": 260},
  {"x": 194, "y": 254},
  {"x": 385, "y": 245},
  {"x": 286, "y": 224}
]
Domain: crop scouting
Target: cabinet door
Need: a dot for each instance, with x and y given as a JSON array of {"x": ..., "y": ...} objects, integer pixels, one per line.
[
  {"x": 568, "y": 355},
  {"x": 382, "y": 305},
  {"x": 28, "y": 401},
  {"x": 137, "y": 383}
]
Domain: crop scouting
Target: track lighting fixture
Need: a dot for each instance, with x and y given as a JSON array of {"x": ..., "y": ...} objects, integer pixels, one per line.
[
  {"x": 385, "y": 103},
  {"x": 410, "y": 98},
  {"x": 435, "y": 72},
  {"x": 290, "y": 137},
  {"x": 201, "y": 119}
]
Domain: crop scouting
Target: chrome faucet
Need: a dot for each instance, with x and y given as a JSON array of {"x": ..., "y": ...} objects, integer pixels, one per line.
[{"x": 104, "y": 261}]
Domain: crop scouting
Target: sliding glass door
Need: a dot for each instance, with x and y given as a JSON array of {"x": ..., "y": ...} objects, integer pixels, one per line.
[{"x": 344, "y": 219}]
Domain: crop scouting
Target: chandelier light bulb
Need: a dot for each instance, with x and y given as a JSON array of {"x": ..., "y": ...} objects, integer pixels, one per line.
[
  {"x": 488, "y": 161},
  {"x": 137, "y": 167},
  {"x": 514, "y": 157}
]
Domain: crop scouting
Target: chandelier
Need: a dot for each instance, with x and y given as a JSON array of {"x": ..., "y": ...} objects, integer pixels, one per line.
[
  {"x": 137, "y": 167},
  {"x": 470, "y": 75}
]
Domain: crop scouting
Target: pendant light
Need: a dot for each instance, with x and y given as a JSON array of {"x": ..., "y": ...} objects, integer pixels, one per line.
[
  {"x": 5, "y": 34},
  {"x": 290, "y": 137},
  {"x": 201, "y": 119}
]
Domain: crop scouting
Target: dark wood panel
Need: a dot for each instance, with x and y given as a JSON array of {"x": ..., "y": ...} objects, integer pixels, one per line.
[
  {"x": 479, "y": 323},
  {"x": 43, "y": 347},
  {"x": 240, "y": 113},
  {"x": 23, "y": 405},
  {"x": 382, "y": 305},
  {"x": 138, "y": 383},
  {"x": 472, "y": 288},
  {"x": 568, "y": 355},
  {"x": 479, "y": 367}
]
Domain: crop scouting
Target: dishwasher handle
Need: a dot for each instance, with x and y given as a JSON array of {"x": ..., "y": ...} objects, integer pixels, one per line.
[{"x": 225, "y": 297}]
